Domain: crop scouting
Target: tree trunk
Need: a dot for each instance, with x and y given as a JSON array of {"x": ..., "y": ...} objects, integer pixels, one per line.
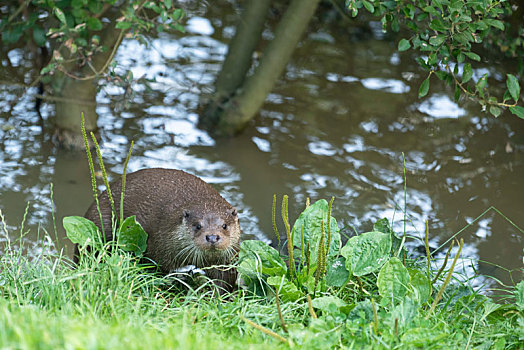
[
  {"x": 240, "y": 109},
  {"x": 74, "y": 96},
  {"x": 238, "y": 59}
]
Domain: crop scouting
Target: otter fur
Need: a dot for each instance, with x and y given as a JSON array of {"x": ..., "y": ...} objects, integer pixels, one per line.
[{"x": 187, "y": 221}]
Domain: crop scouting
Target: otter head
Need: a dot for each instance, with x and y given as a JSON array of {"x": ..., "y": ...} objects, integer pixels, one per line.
[{"x": 214, "y": 232}]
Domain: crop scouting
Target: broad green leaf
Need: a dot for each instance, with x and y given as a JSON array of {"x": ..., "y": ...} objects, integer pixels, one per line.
[
  {"x": 363, "y": 310},
  {"x": 310, "y": 220},
  {"x": 323, "y": 303},
  {"x": 495, "y": 23},
  {"x": 286, "y": 290},
  {"x": 507, "y": 96},
  {"x": 472, "y": 55},
  {"x": 395, "y": 25},
  {"x": 177, "y": 14},
  {"x": 513, "y": 86},
  {"x": 60, "y": 15},
  {"x": 337, "y": 274},
  {"x": 404, "y": 45},
  {"x": 132, "y": 237},
  {"x": 458, "y": 91},
  {"x": 495, "y": 111},
  {"x": 257, "y": 257},
  {"x": 393, "y": 281},
  {"x": 519, "y": 295},
  {"x": 409, "y": 11},
  {"x": 369, "y": 6},
  {"x": 94, "y": 23},
  {"x": 438, "y": 3},
  {"x": 437, "y": 40},
  {"x": 518, "y": 111},
  {"x": 432, "y": 10},
  {"x": 481, "y": 84},
  {"x": 432, "y": 59},
  {"x": 424, "y": 88},
  {"x": 367, "y": 252},
  {"x": 439, "y": 26},
  {"x": 421, "y": 285},
  {"x": 422, "y": 16},
  {"x": 79, "y": 230},
  {"x": 467, "y": 73}
]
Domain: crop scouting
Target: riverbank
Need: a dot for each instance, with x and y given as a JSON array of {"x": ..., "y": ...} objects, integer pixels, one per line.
[{"x": 110, "y": 302}]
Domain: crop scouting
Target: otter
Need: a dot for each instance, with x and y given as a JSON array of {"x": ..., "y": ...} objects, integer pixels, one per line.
[{"x": 187, "y": 221}]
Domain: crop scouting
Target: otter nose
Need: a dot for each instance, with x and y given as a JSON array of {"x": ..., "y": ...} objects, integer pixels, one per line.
[{"x": 213, "y": 239}]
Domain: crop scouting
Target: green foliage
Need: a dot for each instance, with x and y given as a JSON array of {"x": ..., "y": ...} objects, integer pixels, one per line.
[
  {"x": 445, "y": 32},
  {"x": 393, "y": 281},
  {"x": 75, "y": 29},
  {"x": 257, "y": 258},
  {"x": 312, "y": 222},
  {"x": 131, "y": 237},
  {"x": 371, "y": 265},
  {"x": 366, "y": 253},
  {"x": 81, "y": 230}
]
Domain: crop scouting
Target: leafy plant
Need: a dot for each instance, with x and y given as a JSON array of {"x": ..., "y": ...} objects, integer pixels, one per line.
[
  {"x": 75, "y": 29},
  {"x": 445, "y": 33},
  {"x": 372, "y": 266},
  {"x": 130, "y": 235},
  {"x": 319, "y": 261}
]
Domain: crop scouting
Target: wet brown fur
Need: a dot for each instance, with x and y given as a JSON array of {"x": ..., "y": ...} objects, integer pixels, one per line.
[{"x": 169, "y": 204}]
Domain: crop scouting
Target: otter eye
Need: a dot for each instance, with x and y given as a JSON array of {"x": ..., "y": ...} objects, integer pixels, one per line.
[
  {"x": 224, "y": 226},
  {"x": 198, "y": 226}
]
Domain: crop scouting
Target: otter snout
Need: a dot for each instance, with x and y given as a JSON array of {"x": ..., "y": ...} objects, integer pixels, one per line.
[{"x": 213, "y": 239}]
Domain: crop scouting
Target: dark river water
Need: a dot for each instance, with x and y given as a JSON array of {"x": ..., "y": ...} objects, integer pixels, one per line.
[{"x": 343, "y": 121}]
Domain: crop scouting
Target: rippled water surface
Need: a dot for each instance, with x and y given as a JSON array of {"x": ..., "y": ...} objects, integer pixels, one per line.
[{"x": 342, "y": 121}]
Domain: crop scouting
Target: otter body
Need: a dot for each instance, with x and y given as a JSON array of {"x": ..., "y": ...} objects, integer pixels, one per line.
[{"x": 187, "y": 221}]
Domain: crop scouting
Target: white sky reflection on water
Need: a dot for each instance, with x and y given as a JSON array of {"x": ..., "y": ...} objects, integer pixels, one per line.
[
  {"x": 262, "y": 144},
  {"x": 199, "y": 25},
  {"x": 390, "y": 85},
  {"x": 322, "y": 148},
  {"x": 441, "y": 106}
]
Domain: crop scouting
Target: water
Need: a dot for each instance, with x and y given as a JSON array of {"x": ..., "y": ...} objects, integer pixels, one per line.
[{"x": 343, "y": 121}]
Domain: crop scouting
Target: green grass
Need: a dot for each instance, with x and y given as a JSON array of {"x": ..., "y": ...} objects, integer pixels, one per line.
[
  {"x": 46, "y": 304},
  {"x": 110, "y": 302}
]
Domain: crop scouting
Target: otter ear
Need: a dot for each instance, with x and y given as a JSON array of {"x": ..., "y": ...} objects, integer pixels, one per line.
[
  {"x": 185, "y": 212},
  {"x": 234, "y": 212}
]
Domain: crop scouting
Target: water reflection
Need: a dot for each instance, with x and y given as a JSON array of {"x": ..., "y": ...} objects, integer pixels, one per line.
[
  {"x": 341, "y": 122},
  {"x": 441, "y": 106}
]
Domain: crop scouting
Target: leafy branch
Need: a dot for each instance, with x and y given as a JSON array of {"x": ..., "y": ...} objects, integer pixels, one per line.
[{"x": 444, "y": 33}]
